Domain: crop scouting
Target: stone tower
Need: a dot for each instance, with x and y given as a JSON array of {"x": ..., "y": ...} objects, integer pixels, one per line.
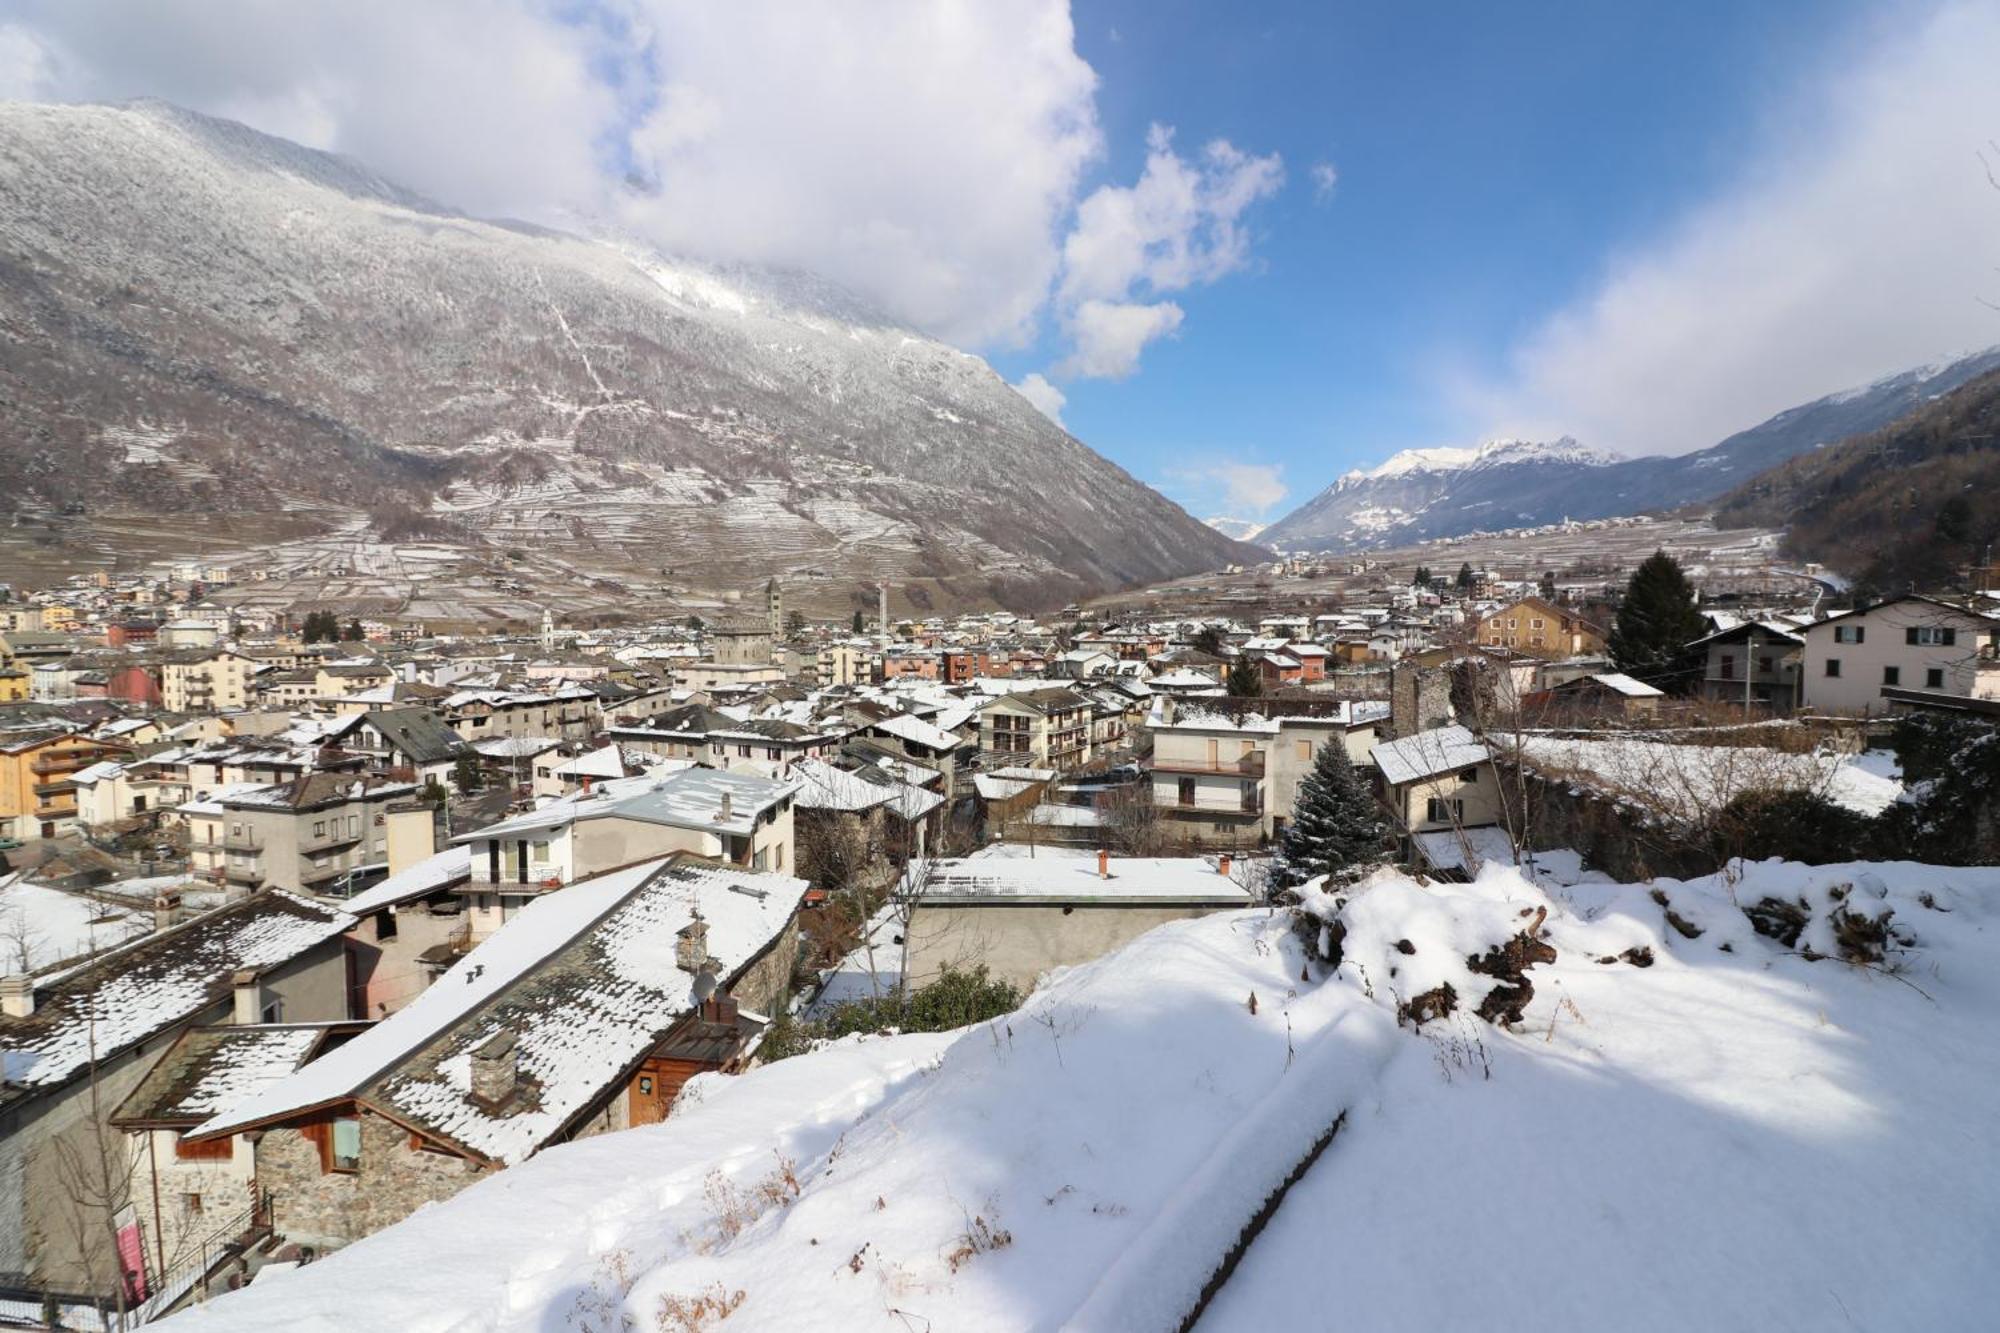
[{"x": 774, "y": 604}]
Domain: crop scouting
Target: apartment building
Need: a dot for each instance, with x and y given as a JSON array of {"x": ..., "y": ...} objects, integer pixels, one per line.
[
  {"x": 1539, "y": 628},
  {"x": 303, "y": 835},
  {"x": 1042, "y": 728},
  {"x": 37, "y": 779},
  {"x": 205, "y": 682}
]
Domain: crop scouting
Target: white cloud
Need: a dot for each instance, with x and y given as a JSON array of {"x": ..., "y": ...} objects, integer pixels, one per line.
[
  {"x": 1324, "y": 178},
  {"x": 925, "y": 156},
  {"x": 1861, "y": 239},
  {"x": 1046, "y": 397},
  {"x": 1240, "y": 490},
  {"x": 1107, "y": 336},
  {"x": 1180, "y": 225}
]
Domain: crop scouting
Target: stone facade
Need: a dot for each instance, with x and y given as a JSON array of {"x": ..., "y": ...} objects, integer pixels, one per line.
[{"x": 329, "y": 1209}]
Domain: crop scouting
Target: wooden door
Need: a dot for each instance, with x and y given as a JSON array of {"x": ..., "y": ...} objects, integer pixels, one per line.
[{"x": 656, "y": 1085}]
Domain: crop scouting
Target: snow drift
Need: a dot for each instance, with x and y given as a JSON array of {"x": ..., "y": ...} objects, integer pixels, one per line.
[{"x": 1702, "y": 1118}]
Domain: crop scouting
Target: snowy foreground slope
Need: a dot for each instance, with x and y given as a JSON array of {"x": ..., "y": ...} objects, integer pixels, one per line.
[{"x": 1730, "y": 1130}]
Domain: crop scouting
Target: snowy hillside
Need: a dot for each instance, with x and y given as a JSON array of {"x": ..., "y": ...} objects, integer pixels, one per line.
[
  {"x": 1772, "y": 1113},
  {"x": 1447, "y": 492},
  {"x": 206, "y": 319}
]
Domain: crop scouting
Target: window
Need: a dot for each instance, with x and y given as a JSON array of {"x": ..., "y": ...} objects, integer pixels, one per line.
[
  {"x": 1187, "y": 791},
  {"x": 191, "y": 1203},
  {"x": 1766, "y": 665},
  {"x": 1535, "y": 623},
  {"x": 743, "y": 752},
  {"x": 385, "y": 925},
  {"x": 1930, "y": 636},
  {"x": 1934, "y": 678},
  {"x": 346, "y": 1144},
  {"x": 1469, "y": 775},
  {"x": 1892, "y": 675},
  {"x": 319, "y": 828},
  {"x": 1442, "y": 811},
  {"x": 274, "y": 1012},
  {"x": 1729, "y": 666},
  {"x": 1851, "y": 634},
  {"x": 1833, "y": 667}
]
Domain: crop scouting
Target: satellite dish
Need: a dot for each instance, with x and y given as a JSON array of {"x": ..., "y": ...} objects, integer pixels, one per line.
[{"x": 704, "y": 986}]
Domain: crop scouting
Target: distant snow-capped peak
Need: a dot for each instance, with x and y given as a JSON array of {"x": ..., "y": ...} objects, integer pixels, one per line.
[
  {"x": 1242, "y": 529},
  {"x": 1492, "y": 453}
]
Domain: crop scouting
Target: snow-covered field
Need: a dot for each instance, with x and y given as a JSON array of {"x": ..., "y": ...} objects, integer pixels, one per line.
[{"x": 1694, "y": 1125}]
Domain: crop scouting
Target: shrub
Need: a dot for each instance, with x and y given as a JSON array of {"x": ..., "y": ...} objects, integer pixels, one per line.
[{"x": 954, "y": 1000}]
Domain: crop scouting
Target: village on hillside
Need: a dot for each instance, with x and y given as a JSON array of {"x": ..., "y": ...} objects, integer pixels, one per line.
[{"x": 312, "y": 923}]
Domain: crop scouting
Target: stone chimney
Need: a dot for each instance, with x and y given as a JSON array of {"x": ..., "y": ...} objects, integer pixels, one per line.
[
  {"x": 17, "y": 996},
  {"x": 691, "y": 946},
  {"x": 496, "y": 1070},
  {"x": 166, "y": 909},
  {"x": 247, "y": 1004},
  {"x": 727, "y": 809}
]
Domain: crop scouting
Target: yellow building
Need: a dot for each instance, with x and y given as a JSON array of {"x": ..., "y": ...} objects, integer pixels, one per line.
[
  {"x": 13, "y": 684},
  {"x": 1540, "y": 628},
  {"x": 37, "y": 798}
]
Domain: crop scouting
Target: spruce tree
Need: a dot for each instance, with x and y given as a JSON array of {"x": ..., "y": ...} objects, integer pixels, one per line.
[
  {"x": 1464, "y": 579},
  {"x": 1336, "y": 823},
  {"x": 1656, "y": 623},
  {"x": 1245, "y": 680}
]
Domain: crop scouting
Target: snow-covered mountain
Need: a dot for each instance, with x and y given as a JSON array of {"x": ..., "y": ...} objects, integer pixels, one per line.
[
  {"x": 196, "y": 318},
  {"x": 1445, "y": 492},
  {"x": 1241, "y": 529}
]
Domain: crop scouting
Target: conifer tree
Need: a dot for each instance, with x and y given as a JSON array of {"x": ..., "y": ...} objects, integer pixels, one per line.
[
  {"x": 1656, "y": 623},
  {"x": 1245, "y": 680},
  {"x": 1336, "y": 823}
]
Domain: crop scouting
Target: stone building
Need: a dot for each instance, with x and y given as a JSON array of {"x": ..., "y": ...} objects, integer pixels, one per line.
[{"x": 582, "y": 1016}]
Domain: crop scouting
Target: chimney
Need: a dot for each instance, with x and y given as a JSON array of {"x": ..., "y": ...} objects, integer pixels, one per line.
[
  {"x": 1103, "y": 864},
  {"x": 586, "y": 784},
  {"x": 1222, "y": 866},
  {"x": 166, "y": 907},
  {"x": 17, "y": 996},
  {"x": 691, "y": 946},
  {"x": 720, "y": 1008},
  {"x": 496, "y": 1070},
  {"x": 248, "y": 998},
  {"x": 727, "y": 807}
]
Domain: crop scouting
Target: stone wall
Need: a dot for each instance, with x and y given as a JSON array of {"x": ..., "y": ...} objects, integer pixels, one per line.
[
  {"x": 1019, "y": 943},
  {"x": 328, "y": 1209}
]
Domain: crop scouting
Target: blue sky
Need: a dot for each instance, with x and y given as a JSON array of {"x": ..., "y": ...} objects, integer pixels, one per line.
[
  {"x": 1645, "y": 226},
  {"x": 1489, "y": 159}
]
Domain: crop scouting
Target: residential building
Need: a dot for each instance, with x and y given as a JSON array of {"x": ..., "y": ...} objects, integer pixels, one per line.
[
  {"x": 1753, "y": 666},
  {"x": 200, "y": 681},
  {"x": 77, "y": 1042},
  {"x": 1037, "y": 728},
  {"x": 590, "y": 1011},
  {"x": 1909, "y": 643},
  {"x": 37, "y": 772},
  {"x": 1543, "y": 629},
  {"x": 305, "y": 835},
  {"x": 735, "y": 819},
  {"x": 1439, "y": 780}
]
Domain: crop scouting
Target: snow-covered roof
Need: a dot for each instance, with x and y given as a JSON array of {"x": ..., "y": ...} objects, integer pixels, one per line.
[
  {"x": 606, "y": 761},
  {"x": 1466, "y": 849},
  {"x": 585, "y": 980},
  {"x": 1626, "y": 685},
  {"x": 824, "y": 787},
  {"x": 1428, "y": 753},
  {"x": 917, "y": 731},
  {"x": 210, "y": 1070},
  {"x": 688, "y": 798},
  {"x": 148, "y": 986},
  {"x": 426, "y": 877},
  {"x": 1181, "y": 879}
]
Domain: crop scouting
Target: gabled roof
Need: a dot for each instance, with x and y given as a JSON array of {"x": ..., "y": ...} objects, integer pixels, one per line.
[
  {"x": 419, "y": 733},
  {"x": 141, "y": 990},
  {"x": 209, "y": 1070},
  {"x": 584, "y": 979},
  {"x": 691, "y": 798},
  {"x": 1429, "y": 753}
]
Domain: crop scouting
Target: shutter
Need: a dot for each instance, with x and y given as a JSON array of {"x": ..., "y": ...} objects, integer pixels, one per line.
[
  {"x": 1950, "y": 638},
  {"x": 1910, "y": 635}
]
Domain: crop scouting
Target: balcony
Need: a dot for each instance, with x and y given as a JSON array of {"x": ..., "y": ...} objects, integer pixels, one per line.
[
  {"x": 242, "y": 874},
  {"x": 68, "y": 761},
  {"x": 330, "y": 842},
  {"x": 1246, "y": 766},
  {"x": 247, "y": 841}
]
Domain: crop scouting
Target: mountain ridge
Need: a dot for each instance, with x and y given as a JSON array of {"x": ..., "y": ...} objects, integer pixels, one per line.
[
  {"x": 195, "y": 316},
  {"x": 1421, "y": 494}
]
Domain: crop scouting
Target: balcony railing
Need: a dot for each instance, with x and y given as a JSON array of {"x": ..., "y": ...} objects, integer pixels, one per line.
[
  {"x": 242, "y": 874},
  {"x": 242, "y": 842},
  {"x": 1244, "y": 766}
]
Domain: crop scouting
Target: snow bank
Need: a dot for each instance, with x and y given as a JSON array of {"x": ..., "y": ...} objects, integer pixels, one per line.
[{"x": 1684, "y": 1130}]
